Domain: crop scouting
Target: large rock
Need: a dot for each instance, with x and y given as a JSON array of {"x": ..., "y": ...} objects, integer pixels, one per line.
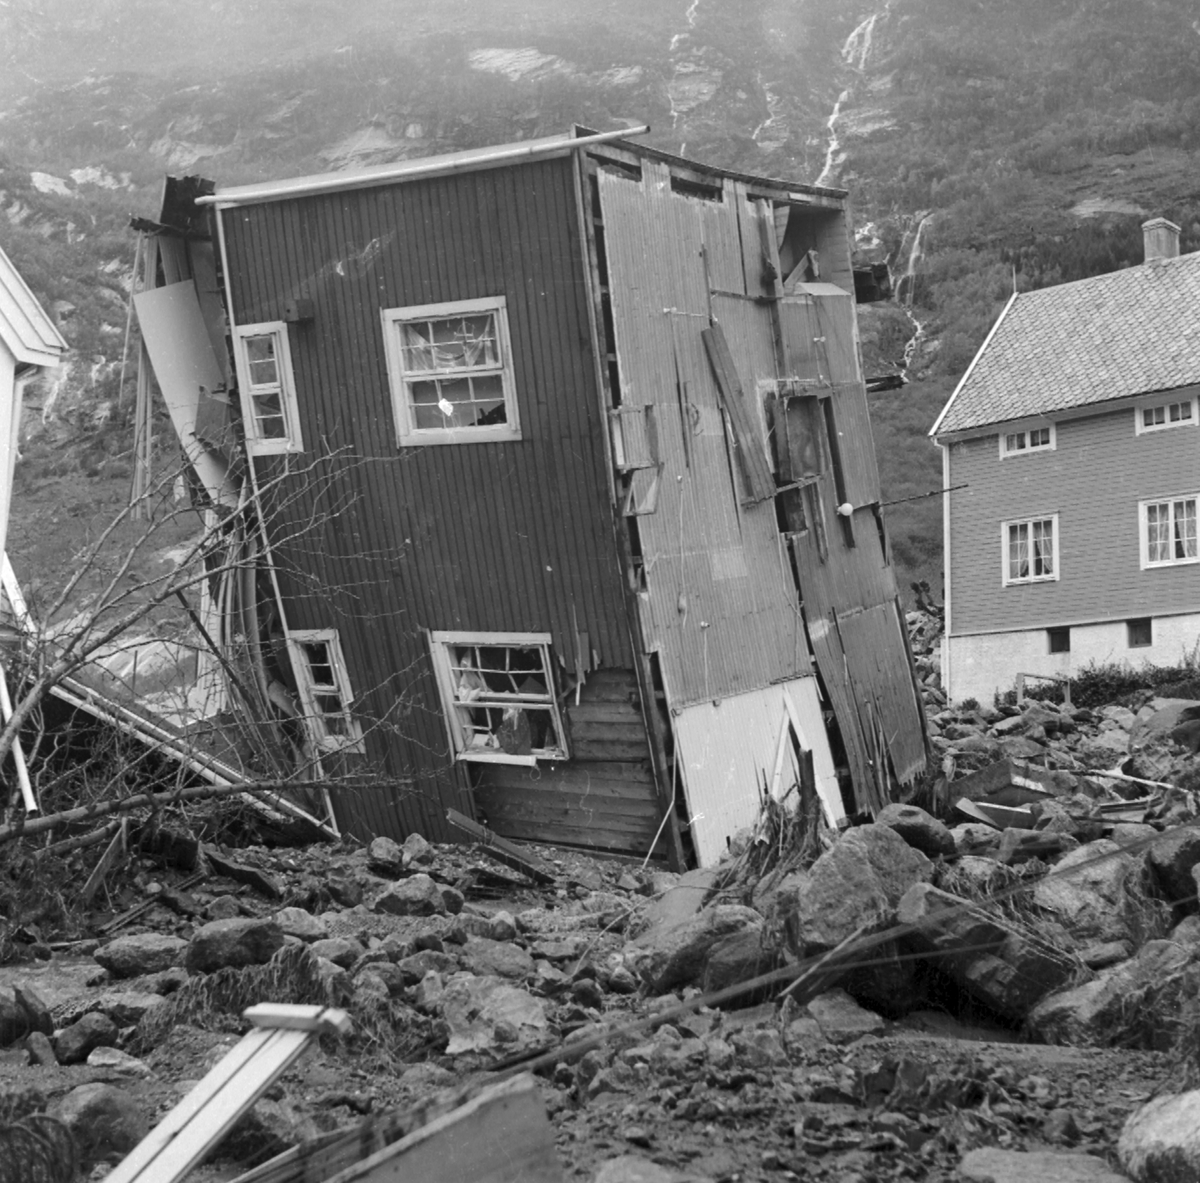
[
  {"x": 416, "y": 896},
  {"x": 1161, "y": 1141},
  {"x": 233, "y": 943},
  {"x": 841, "y": 1019},
  {"x": 140, "y": 953},
  {"x": 1009, "y": 971},
  {"x": 1093, "y": 893},
  {"x": 990, "y": 1164},
  {"x": 919, "y": 829},
  {"x": 500, "y": 959},
  {"x": 105, "y": 1121},
  {"x": 859, "y": 882},
  {"x": 385, "y": 857},
  {"x": 73, "y": 1044},
  {"x": 302, "y": 924},
  {"x": 22, "y": 1010},
  {"x": 738, "y": 958},
  {"x": 1172, "y": 858},
  {"x": 676, "y": 955},
  {"x": 127, "y": 1008},
  {"x": 1135, "y": 1004},
  {"x": 491, "y": 1015}
]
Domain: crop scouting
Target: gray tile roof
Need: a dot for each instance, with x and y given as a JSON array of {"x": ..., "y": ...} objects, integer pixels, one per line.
[{"x": 1125, "y": 333}]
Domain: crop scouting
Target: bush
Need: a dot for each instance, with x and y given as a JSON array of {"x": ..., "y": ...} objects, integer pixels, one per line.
[{"x": 1095, "y": 685}]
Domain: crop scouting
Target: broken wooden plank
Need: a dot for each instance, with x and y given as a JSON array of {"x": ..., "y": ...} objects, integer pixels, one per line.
[
  {"x": 263, "y": 883},
  {"x": 751, "y": 456},
  {"x": 501, "y": 849},
  {"x": 106, "y": 862},
  {"x": 500, "y": 1136}
]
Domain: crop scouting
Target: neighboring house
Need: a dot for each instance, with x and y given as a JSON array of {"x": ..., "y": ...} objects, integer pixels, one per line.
[
  {"x": 565, "y": 481},
  {"x": 1074, "y": 432},
  {"x": 29, "y": 346}
]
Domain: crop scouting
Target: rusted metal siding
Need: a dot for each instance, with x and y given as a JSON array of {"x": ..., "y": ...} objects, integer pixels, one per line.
[
  {"x": 383, "y": 544},
  {"x": 718, "y": 606}
]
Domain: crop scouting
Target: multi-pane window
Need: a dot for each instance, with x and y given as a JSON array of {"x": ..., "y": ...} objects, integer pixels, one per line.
[
  {"x": 1028, "y": 439},
  {"x": 450, "y": 367},
  {"x": 267, "y": 388},
  {"x": 1030, "y": 550},
  {"x": 1178, "y": 414},
  {"x": 498, "y": 691},
  {"x": 1169, "y": 532},
  {"x": 324, "y": 687}
]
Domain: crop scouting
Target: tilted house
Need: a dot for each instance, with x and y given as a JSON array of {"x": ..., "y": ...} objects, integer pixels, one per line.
[
  {"x": 1074, "y": 432},
  {"x": 568, "y": 493}
]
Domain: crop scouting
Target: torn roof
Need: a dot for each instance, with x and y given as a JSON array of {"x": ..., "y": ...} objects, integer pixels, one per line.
[
  {"x": 1110, "y": 337},
  {"x": 25, "y": 329},
  {"x": 468, "y": 160}
]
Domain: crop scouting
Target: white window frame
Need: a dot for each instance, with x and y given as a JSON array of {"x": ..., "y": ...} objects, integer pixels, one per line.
[
  {"x": 1149, "y": 564},
  {"x": 257, "y": 443},
  {"x": 441, "y": 644},
  {"x": 350, "y": 736},
  {"x": 1017, "y": 581},
  {"x": 1022, "y": 432},
  {"x": 1140, "y": 427},
  {"x": 407, "y": 432}
]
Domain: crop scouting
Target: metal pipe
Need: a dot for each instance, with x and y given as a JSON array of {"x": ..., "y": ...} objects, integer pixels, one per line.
[{"x": 307, "y": 186}]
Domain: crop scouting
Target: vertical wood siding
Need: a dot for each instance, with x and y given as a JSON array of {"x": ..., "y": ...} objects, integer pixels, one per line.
[
  {"x": 383, "y": 543},
  {"x": 1099, "y": 471}
]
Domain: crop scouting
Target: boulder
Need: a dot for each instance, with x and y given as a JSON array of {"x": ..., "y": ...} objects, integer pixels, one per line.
[
  {"x": 858, "y": 882},
  {"x": 975, "y": 838},
  {"x": 127, "y": 1008},
  {"x": 1134, "y": 1004},
  {"x": 118, "y": 1063},
  {"x": 1172, "y": 858},
  {"x": 1160, "y": 1142},
  {"x": 491, "y": 1015},
  {"x": 416, "y": 896},
  {"x": 1093, "y": 893},
  {"x": 344, "y": 891},
  {"x": 1006, "y": 969},
  {"x": 73, "y": 1044},
  {"x": 105, "y": 1121},
  {"x": 418, "y": 852},
  {"x": 736, "y": 958},
  {"x": 340, "y": 950},
  {"x": 298, "y": 922},
  {"x": 990, "y": 1164},
  {"x": 501, "y": 959},
  {"x": 675, "y": 955},
  {"x": 919, "y": 829},
  {"x": 22, "y": 1011},
  {"x": 140, "y": 953},
  {"x": 386, "y": 858},
  {"x": 233, "y": 943},
  {"x": 224, "y": 907},
  {"x": 681, "y": 898},
  {"x": 841, "y": 1019}
]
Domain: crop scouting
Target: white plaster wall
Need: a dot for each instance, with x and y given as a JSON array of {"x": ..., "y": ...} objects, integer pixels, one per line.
[{"x": 978, "y": 666}]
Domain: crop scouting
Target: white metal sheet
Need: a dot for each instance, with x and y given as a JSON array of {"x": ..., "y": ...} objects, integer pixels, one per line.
[
  {"x": 729, "y": 750},
  {"x": 176, "y": 337}
]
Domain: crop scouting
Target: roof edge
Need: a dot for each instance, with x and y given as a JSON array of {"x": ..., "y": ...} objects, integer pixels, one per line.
[{"x": 933, "y": 431}]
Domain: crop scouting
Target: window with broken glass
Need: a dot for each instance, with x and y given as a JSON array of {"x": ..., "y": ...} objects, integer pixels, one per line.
[
  {"x": 450, "y": 367},
  {"x": 268, "y": 391},
  {"x": 498, "y": 690},
  {"x": 1169, "y": 532},
  {"x": 324, "y": 686},
  {"x": 1031, "y": 550}
]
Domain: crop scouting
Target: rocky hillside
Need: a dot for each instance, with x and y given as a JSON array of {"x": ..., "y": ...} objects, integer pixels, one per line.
[{"x": 984, "y": 144}]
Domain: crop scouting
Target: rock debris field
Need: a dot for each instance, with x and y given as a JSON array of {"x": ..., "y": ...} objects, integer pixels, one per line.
[{"x": 945, "y": 997}]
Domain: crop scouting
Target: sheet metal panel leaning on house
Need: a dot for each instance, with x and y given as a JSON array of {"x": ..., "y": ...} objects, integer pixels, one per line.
[{"x": 550, "y": 441}]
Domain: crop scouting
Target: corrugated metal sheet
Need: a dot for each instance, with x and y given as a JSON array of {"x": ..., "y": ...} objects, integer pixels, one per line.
[
  {"x": 718, "y": 632},
  {"x": 489, "y": 537},
  {"x": 729, "y": 749}
]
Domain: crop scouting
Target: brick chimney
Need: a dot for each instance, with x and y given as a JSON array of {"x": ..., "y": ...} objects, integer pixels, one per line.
[{"x": 1161, "y": 239}]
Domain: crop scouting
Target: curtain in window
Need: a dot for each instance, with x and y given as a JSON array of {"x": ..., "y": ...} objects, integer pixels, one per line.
[
  {"x": 1043, "y": 547},
  {"x": 1184, "y": 532},
  {"x": 1018, "y": 551}
]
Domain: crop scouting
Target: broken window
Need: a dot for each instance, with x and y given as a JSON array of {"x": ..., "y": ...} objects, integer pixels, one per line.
[
  {"x": 1031, "y": 550},
  {"x": 324, "y": 687},
  {"x": 1028, "y": 439},
  {"x": 1169, "y": 532},
  {"x": 267, "y": 388},
  {"x": 498, "y": 691},
  {"x": 1180, "y": 414},
  {"x": 450, "y": 367}
]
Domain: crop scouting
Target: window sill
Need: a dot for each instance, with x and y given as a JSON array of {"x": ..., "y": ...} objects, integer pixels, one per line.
[
  {"x": 500, "y": 758},
  {"x": 1032, "y": 579},
  {"x": 463, "y": 435},
  {"x": 1166, "y": 564},
  {"x": 272, "y": 447}
]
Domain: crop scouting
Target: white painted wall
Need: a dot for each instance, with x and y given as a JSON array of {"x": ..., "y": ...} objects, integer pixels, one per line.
[{"x": 978, "y": 666}]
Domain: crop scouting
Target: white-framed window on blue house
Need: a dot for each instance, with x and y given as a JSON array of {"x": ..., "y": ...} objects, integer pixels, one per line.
[
  {"x": 1165, "y": 415},
  {"x": 451, "y": 373},
  {"x": 1168, "y": 531},
  {"x": 267, "y": 387},
  {"x": 1033, "y": 437},
  {"x": 1030, "y": 549}
]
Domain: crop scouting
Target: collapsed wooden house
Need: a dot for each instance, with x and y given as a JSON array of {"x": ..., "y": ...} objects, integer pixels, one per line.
[{"x": 565, "y": 499}]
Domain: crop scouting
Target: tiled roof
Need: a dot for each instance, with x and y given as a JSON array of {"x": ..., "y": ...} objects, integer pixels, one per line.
[{"x": 1126, "y": 333}]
